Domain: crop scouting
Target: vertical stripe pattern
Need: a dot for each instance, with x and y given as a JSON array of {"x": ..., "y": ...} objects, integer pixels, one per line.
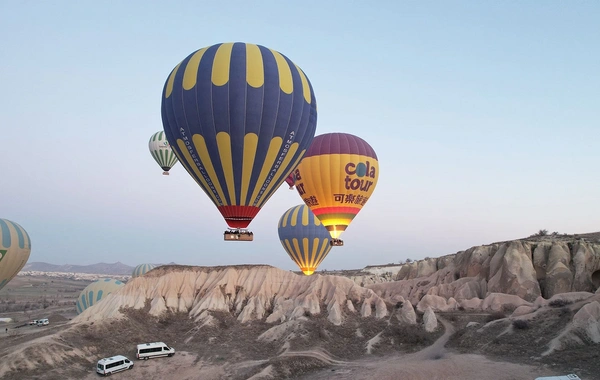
[
  {"x": 240, "y": 117},
  {"x": 95, "y": 292},
  {"x": 141, "y": 270},
  {"x": 15, "y": 248},
  {"x": 161, "y": 151},
  {"x": 304, "y": 238}
]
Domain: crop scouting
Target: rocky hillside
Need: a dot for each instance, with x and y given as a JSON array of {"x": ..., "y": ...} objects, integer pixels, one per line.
[
  {"x": 250, "y": 292},
  {"x": 527, "y": 268}
]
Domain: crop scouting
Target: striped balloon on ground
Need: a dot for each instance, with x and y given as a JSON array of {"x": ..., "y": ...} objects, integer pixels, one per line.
[
  {"x": 161, "y": 152},
  {"x": 95, "y": 292},
  {"x": 304, "y": 238},
  {"x": 15, "y": 247},
  {"x": 239, "y": 117},
  {"x": 141, "y": 269}
]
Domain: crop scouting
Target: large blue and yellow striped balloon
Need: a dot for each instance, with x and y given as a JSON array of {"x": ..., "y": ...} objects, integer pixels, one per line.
[
  {"x": 141, "y": 270},
  {"x": 95, "y": 292},
  {"x": 239, "y": 118},
  {"x": 15, "y": 247},
  {"x": 304, "y": 238}
]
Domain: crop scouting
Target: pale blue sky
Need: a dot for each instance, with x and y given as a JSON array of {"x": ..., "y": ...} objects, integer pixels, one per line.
[{"x": 485, "y": 116}]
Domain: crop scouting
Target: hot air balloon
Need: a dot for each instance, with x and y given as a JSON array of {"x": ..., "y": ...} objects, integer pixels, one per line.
[
  {"x": 141, "y": 270},
  {"x": 336, "y": 178},
  {"x": 304, "y": 238},
  {"x": 290, "y": 181},
  {"x": 162, "y": 152},
  {"x": 15, "y": 248},
  {"x": 96, "y": 291},
  {"x": 240, "y": 118}
]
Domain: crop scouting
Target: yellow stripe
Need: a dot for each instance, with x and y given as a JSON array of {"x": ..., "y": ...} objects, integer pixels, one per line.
[
  {"x": 305, "y": 86},
  {"x": 202, "y": 150},
  {"x": 224, "y": 145},
  {"x": 285, "y": 218},
  {"x": 316, "y": 221},
  {"x": 300, "y": 261},
  {"x": 295, "y": 216},
  {"x": 297, "y": 254},
  {"x": 305, "y": 216},
  {"x": 313, "y": 254},
  {"x": 306, "y": 251},
  {"x": 284, "y": 164},
  {"x": 221, "y": 64},
  {"x": 192, "y": 164},
  {"x": 325, "y": 247},
  {"x": 291, "y": 253},
  {"x": 255, "y": 74},
  {"x": 267, "y": 165},
  {"x": 250, "y": 144},
  {"x": 285, "y": 74},
  {"x": 170, "y": 81},
  {"x": 190, "y": 75}
]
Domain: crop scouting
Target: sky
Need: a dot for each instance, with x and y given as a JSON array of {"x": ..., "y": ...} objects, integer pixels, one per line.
[{"x": 485, "y": 116}]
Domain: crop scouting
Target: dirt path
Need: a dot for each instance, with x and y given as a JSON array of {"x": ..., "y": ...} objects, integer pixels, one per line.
[{"x": 432, "y": 363}]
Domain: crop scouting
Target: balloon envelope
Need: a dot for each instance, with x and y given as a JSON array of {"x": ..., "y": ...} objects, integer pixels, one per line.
[
  {"x": 15, "y": 247},
  {"x": 161, "y": 151},
  {"x": 141, "y": 270},
  {"x": 336, "y": 178},
  {"x": 290, "y": 181},
  {"x": 304, "y": 238},
  {"x": 239, "y": 117},
  {"x": 95, "y": 292}
]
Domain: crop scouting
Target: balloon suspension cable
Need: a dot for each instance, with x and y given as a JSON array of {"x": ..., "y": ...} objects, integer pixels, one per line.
[{"x": 238, "y": 234}]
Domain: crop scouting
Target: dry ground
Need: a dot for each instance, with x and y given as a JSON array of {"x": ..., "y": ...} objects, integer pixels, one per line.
[{"x": 307, "y": 349}]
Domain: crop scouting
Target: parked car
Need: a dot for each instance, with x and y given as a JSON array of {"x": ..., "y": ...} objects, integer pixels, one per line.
[
  {"x": 153, "y": 350},
  {"x": 108, "y": 366}
]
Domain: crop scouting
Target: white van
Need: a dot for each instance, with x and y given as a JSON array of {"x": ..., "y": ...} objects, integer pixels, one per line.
[
  {"x": 153, "y": 350},
  {"x": 43, "y": 322},
  {"x": 108, "y": 366}
]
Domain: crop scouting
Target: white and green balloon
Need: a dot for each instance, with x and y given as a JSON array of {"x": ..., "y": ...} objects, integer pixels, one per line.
[
  {"x": 95, "y": 292},
  {"x": 162, "y": 152}
]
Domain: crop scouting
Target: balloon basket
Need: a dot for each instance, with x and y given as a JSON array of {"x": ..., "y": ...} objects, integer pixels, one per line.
[
  {"x": 238, "y": 235},
  {"x": 336, "y": 242},
  {"x": 165, "y": 173}
]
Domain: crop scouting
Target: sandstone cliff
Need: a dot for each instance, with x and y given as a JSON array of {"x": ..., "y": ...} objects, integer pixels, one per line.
[
  {"x": 248, "y": 292},
  {"x": 524, "y": 268}
]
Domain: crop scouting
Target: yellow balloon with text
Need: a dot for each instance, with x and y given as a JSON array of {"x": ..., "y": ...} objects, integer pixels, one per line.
[{"x": 336, "y": 178}]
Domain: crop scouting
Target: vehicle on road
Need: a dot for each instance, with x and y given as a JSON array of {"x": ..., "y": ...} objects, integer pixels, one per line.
[
  {"x": 153, "y": 350},
  {"x": 108, "y": 366}
]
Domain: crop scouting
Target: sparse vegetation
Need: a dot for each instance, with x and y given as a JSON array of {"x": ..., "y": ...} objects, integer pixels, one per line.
[
  {"x": 520, "y": 324},
  {"x": 495, "y": 316},
  {"x": 540, "y": 233},
  {"x": 559, "y": 303}
]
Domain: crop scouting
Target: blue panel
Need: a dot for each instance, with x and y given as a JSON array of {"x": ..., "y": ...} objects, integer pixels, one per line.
[{"x": 6, "y": 239}]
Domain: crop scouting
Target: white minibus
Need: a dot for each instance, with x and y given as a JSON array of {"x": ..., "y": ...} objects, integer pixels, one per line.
[
  {"x": 108, "y": 366},
  {"x": 153, "y": 350}
]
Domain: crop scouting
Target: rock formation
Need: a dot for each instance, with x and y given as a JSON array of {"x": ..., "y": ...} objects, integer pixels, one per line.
[
  {"x": 248, "y": 292},
  {"x": 527, "y": 268}
]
